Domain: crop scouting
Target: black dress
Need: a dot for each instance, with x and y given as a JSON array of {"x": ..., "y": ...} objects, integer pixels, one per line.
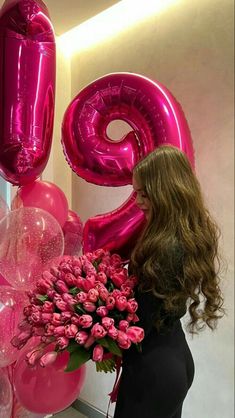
[{"x": 154, "y": 382}]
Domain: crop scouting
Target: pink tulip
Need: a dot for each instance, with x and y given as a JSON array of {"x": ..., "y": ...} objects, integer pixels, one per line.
[
  {"x": 65, "y": 316},
  {"x": 135, "y": 334},
  {"x": 48, "y": 358},
  {"x": 113, "y": 332},
  {"x": 48, "y": 307},
  {"x": 93, "y": 295},
  {"x": 107, "y": 322},
  {"x": 85, "y": 321},
  {"x": 62, "y": 305},
  {"x": 59, "y": 331},
  {"x": 70, "y": 279},
  {"x": 46, "y": 317},
  {"x": 119, "y": 277},
  {"x": 21, "y": 339},
  {"x": 89, "y": 306},
  {"x": 123, "y": 340},
  {"x": 71, "y": 330},
  {"x": 33, "y": 356},
  {"x": 69, "y": 299},
  {"x": 102, "y": 311},
  {"x": 132, "y": 305},
  {"x": 81, "y": 297},
  {"x": 62, "y": 342},
  {"x": 123, "y": 325},
  {"x": 61, "y": 286},
  {"x": 121, "y": 303},
  {"x": 126, "y": 290},
  {"x": 56, "y": 319},
  {"x": 98, "y": 353},
  {"x": 110, "y": 302},
  {"x": 97, "y": 331},
  {"x": 81, "y": 337},
  {"x": 103, "y": 292},
  {"x": 49, "y": 329},
  {"x": 101, "y": 276},
  {"x": 47, "y": 275}
]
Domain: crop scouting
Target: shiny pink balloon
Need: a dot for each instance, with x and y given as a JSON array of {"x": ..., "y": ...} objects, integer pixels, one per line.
[
  {"x": 6, "y": 395},
  {"x": 27, "y": 89},
  {"x": 3, "y": 281},
  {"x": 72, "y": 230},
  {"x": 30, "y": 238},
  {"x": 156, "y": 119},
  {"x": 12, "y": 303},
  {"x": 43, "y": 195},
  {"x": 49, "y": 389}
]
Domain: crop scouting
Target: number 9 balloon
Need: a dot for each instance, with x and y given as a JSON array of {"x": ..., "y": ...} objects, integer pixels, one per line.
[
  {"x": 156, "y": 119},
  {"x": 27, "y": 89}
]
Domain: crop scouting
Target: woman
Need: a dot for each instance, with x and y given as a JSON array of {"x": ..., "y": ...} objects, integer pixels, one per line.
[{"x": 176, "y": 262}]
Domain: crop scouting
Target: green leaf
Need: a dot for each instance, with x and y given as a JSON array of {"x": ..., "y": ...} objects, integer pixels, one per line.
[
  {"x": 111, "y": 346},
  {"x": 73, "y": 346},
  {"x": 107, "y": 366},
  {"x": 79, "y": 309},
  {"x": 42, "y": 298},
  {"x": 77, "y": 358},
  {"x": 74, "y": 290}
]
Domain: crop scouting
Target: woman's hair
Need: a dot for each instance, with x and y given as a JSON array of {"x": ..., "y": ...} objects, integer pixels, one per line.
[{"x": 177, "y": 255}]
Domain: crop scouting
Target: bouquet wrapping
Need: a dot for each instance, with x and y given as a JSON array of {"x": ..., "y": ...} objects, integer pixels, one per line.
[{"x": 84, "y": 305}]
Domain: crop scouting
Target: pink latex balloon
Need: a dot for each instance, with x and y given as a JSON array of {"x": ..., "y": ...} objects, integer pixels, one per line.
[
  {"x": 72, "y": 230},
  {"x": 27, "y": 89},
  {"x": 3, "y": 281},
  {"x": 30, "y": 238},
  {"x": 43, "y": 195},
  {"x": 6, "y": 395},
  {"x": 12, "y": 303},
  {"x": 49, "y": 389},
  {"x": 156, "y": 119}
]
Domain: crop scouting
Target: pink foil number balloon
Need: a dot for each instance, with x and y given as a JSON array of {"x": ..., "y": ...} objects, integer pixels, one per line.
[
  {"x": 49, "y": 389},
  {"x": 156, "y": 119},
  {"x": 27, "y": 89}
]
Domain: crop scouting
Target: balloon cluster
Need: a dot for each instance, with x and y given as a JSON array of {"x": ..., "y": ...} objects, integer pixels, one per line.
[{"x": 40, "y": 227}]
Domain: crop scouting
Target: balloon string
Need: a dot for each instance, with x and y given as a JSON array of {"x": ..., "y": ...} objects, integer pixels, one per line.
[{"x": 113, "y": 395}]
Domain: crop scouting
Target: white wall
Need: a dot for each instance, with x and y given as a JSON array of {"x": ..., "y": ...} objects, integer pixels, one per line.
[{"x": 188, "y": 47}]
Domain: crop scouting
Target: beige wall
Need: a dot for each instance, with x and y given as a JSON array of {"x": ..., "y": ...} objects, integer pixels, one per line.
[{"x": 188, "y": 47}]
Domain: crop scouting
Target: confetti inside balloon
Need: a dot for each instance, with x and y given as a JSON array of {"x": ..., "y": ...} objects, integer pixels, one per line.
[{"x": 30, "y": 238}]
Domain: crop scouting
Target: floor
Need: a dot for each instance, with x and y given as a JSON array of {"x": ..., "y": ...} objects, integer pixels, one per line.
[{"x": 69, "y": 413}]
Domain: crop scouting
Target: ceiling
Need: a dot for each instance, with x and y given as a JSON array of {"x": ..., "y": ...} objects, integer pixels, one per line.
[{"x": 65, "y": 14}]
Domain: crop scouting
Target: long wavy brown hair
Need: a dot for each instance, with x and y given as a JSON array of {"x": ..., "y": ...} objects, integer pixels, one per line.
[{"x": 176, "y": 256}]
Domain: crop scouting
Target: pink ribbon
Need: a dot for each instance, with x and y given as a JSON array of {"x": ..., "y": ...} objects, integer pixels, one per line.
[{"x": 114, "y": 394}]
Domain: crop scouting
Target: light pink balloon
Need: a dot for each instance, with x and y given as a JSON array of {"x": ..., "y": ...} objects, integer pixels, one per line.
[
  {"x": 30, "y": 238},
  {"x": 49, "y": 389},
  {"x": 72, "y": 230},
  {"x": 27, "y": 89},
  {"x": 43, "y": 195},
  {"x": 12, "y": 303},
  {"x": 156, "y": 118},
  {"x": 6, "y": 395}
]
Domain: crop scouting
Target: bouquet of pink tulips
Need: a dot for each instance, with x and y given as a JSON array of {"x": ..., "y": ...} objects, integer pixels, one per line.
[{"x": 84, "y": 305}]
